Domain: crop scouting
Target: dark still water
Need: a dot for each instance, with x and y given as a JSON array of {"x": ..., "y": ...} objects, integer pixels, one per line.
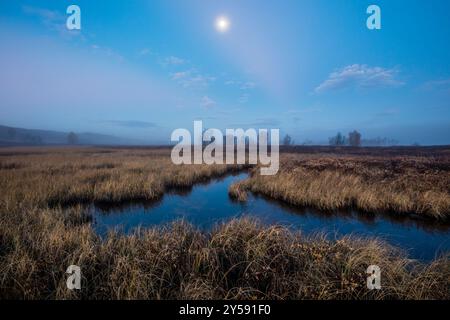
[{"x": 205, "y": 205}]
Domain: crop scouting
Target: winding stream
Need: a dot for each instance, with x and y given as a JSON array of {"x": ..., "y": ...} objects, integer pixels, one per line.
[{"x": 207, "y": 204}]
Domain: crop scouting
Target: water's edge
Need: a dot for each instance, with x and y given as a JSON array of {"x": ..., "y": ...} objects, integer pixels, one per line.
[{"x": 207, "y": 203}]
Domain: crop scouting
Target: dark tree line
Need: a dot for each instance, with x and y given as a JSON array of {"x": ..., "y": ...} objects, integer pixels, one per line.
[{"x": 353, "y": 139}]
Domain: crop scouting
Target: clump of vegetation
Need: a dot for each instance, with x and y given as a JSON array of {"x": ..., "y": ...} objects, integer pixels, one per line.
[{"x": 237, "y": 192}]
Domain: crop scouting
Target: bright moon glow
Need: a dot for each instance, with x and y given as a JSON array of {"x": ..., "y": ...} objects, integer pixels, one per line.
[{"x": 222, "y": 24}]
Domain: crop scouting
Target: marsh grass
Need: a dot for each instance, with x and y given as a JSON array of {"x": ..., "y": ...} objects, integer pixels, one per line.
[
  {"x": 71, "y": 176},
  {"x": 40, "y": 236},
  {"x": 238, "y": 192},
  {"x": 238, "y": 260},
  {"x": 399, "y": 185}
]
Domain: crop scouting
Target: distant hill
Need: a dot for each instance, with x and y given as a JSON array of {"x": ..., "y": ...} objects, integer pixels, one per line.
[{"x": 10, "y": 136}]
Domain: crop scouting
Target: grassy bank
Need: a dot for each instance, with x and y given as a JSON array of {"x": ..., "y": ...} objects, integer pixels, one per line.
[
  {"x": 65, "y": 176},
  {"x": 240, "y": 260},
  {"x": 396, "y": 184},
  {"x": 40, "y": 237}
]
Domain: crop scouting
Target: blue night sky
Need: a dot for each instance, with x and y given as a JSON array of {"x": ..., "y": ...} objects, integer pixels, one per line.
[{"x": 141, "y": 69}]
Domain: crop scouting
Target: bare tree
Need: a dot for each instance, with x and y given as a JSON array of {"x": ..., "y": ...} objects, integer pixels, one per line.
[
  {"x": 354, "y": 138},
  {"x": 72, "y": 138},
  {"x": 338, "y": 140},
  {"x": 287, "y": 140}
]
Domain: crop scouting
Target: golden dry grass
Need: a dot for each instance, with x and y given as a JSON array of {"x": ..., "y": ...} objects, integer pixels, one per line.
[
  {"x": 239, "y": 260},
  {"x": 40, "y": 237},
  {"x": 63, "y": 176},
  {"x": 410, "y": 184}
]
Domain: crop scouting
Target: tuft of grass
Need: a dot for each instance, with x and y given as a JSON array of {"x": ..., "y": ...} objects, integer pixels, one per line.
[{"x": 237, "y": 192}]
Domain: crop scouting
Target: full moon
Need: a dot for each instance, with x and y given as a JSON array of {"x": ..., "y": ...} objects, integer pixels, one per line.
[{"x": 222, "y": 24}]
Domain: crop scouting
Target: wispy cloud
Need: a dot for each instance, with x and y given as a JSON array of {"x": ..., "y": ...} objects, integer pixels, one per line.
[
  {"x": 51, "y": 19},
  {"x": 95, "y": 82},
  {"x": 46, "y": 15},
  {"x": 172, "y": 60},
  {"x": 439, "y": 85},
  {"x": 360, "y": 76},
  {"x": 248, "y": 85},
  {"x": 207, "y": 102},
  {"x": 144, "y": 52},
  {"x": 107, "y": 52},
  {"x": 180, "y": 75},
  {"x": 243, "y": 98},
  {"x": 192, "y": 78},
  {"x": 132, "y": 124},
  {"x": 243, "y": 85}
]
